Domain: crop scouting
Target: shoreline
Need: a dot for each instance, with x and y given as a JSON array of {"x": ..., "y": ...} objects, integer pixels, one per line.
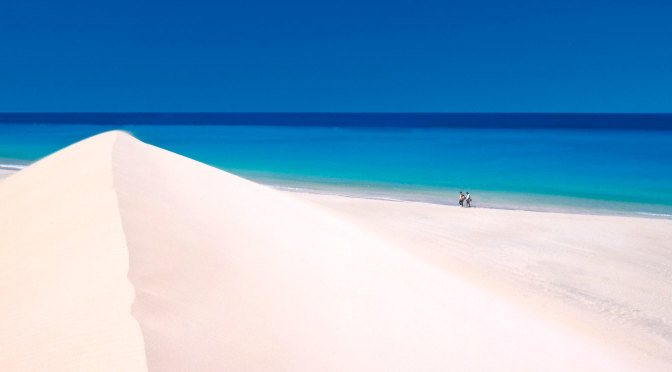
[
  {"x": 351, "y": 192},
  {"x": 531, "y": 208},
  {"x": 11, "y": 167}
]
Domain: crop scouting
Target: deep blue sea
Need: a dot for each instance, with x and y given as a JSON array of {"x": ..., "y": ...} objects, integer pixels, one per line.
[{"x": 596, "y": 163}]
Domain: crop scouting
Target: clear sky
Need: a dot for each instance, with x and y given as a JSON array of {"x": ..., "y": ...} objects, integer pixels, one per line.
[{"x": 336, "y": 56}]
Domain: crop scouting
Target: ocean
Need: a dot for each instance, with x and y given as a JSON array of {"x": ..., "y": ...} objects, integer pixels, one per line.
[{"x": 584, "y": 163}]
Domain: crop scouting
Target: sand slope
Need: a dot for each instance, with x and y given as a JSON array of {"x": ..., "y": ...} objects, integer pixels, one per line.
[
  {"x": 64, "y": 295},
  {"x": 230, "y": 275}
]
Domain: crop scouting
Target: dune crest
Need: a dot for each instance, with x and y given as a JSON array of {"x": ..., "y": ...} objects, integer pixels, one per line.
[
  {"x": 65, "y": 297},
  {"x": 117, "y": 255}
]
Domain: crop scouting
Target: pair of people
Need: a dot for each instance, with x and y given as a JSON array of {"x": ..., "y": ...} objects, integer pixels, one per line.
[{"x": 465, "y": 199}]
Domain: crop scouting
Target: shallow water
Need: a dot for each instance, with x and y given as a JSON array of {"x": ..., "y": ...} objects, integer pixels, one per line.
[{"x": 571, "y": 169}]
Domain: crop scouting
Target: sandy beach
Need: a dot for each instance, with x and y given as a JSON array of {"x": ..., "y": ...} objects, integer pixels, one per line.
[
  {"x": 604, "y": 276},
  {"x": 118, "y": 255},
  {"x": 6, "y": 173}
]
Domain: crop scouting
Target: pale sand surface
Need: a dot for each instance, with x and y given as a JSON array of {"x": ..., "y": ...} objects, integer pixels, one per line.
[
  {"x": 6, "y": 173},
  {"x": 64, "y": 295},
  {"x": 230, "y": 275},
  {"x": 608, "y": 277}
]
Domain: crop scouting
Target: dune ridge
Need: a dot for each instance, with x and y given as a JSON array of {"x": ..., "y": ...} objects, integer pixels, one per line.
[
  {"x": 63, "y": 264},
  {"x": 117, "y": 255}
]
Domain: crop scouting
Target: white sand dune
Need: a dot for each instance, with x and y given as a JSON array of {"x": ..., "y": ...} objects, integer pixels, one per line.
[
  {"x": 117, "y": 255},
  {"x": 64, "y": 296}
]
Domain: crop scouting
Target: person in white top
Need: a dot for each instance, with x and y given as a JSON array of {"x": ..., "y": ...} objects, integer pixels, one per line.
[{"x": 468, "y": 199}]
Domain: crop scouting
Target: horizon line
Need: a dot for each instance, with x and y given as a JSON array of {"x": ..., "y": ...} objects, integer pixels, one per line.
[{"x": 330, "y": 112}]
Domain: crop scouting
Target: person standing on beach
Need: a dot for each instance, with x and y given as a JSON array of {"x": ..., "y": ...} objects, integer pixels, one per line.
[
  {"x": 461, "y": 199},
  {"x": 468, "y": 198}
]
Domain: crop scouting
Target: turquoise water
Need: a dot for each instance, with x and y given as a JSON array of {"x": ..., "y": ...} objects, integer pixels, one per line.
[{"x": 582, "y": 170}]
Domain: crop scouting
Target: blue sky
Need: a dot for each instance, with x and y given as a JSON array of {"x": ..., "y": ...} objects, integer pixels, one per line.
[{"x": 341, "y": 56}]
